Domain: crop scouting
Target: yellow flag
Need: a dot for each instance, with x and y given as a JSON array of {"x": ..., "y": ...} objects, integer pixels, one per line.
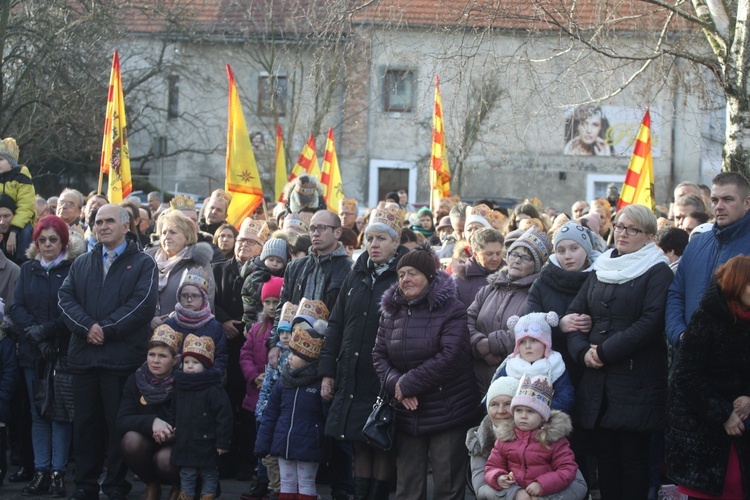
[
  {"x": 242, "y": 179},
  {"x": 115, "y": 160},
  {"x": 440, "y": 174},
  {"x": 307, "y": 163},
  {"x": 638, "y": 188},
  {"x": 280, "y": 177},
  {"x": 331, "y": 175}
]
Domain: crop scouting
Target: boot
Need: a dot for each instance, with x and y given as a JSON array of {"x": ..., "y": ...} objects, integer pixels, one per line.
[
  {"x": 362, "y": 486},
  {"x": 380, "y": 490},
  {"x": 152, "y": 491},
  {"x": 306, "y": 497},
  {"x": 260, "y": 491},
  {"x": 39, "y": 484},
  {"x": 288, "y": 496},
  {"x": 174, "y": 493},
  {"x": 183, "y": 496},
  {"x": 208, "y": 496},
  {"x": 57, "y": 485}
]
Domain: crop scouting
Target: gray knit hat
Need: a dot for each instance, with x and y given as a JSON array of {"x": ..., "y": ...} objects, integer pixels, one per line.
[
  {"x": 275, "y": 247},
  {"x": 537, "y": 243},
  {"x": 578, "y": 233}
]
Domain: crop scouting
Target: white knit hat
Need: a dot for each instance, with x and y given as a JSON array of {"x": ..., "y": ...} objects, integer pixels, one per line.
[{"x": 503, "y": 386}]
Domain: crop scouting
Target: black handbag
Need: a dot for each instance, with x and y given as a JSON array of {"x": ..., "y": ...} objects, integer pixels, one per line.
[
  {"x": 43, "y": 389},
  {"x": 380, "y": 428}
]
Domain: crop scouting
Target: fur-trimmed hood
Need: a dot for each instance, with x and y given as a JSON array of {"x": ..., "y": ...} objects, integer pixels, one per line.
[
  {"x": 481, "y": 439},
  {"x": 438, "y": 293},
  {"x": 76, "y": 247},
  {"x": 558, "y": 427},
  {"x": 200, "y": 253}
]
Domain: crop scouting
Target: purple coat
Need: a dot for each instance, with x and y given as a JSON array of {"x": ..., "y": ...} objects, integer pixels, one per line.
[
  {"x": 469, "y": 277},
  {"x": 425, "y": 344},
  {"x": 253, "y": 359}
]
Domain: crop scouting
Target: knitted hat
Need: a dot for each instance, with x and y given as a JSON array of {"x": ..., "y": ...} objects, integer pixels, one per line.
[
  {"x": 310, "y": 311},
  {"x": 389, "y": 219},
  {"x": 256, "y": 230},
  {"x": 537, "y": 243},
  {"x": 392, "y": 195},
  {"x": 296, "y": 223},
  {"x": 503, "y": 386},
  {"x": 306, "y": 343},
  {"x": 275, "y": 247},
  {"x": 167, "y": 336},
  {"x": 288, "y": 311},
  {"x": 575, "y": 232},
  {"x": 9, "y": 151},
  {"x": 535, "y": 393},
  {"x": 305, "y": 193},
  {"x": 271, "y": 288},
  {"x": 348, "y": 205},
  {"x": 445, "y": 223},
  {"x": 196, "y": 277},
  {"x": 200, "y": 348},
  {"x": 422, "y": 260},
  {"x": 7, "y": 202},
  {"x": 534, "y": 325},
  {"x": 512, "y": 236},
  {"x": 425, "y": 211}
]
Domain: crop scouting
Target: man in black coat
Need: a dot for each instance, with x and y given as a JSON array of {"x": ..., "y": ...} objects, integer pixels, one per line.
[{"x": 107, "y": 301}]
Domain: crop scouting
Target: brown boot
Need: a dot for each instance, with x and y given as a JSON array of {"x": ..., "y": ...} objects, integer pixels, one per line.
[
  {"x": 183, "y": 496},
  {"x": 174, "y": 493},
  {"x": 152, "y": 491},
  {"x": 208, "y": 496}
]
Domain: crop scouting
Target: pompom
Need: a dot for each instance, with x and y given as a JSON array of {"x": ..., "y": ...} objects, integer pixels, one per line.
[
  {"x": 321, "y": 326},
  {"x": 552, "y": 318},
  {"x": 512, "y": 321}
]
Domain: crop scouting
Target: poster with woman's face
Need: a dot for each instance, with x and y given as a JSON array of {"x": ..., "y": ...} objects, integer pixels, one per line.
[{"x": 592, "y": 130}]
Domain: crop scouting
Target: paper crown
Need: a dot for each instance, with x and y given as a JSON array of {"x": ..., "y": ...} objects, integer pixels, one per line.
[
  {"x": 255, "y": 230},
  {"x": 168, "y": 337},
  {"x": 200, "y": 348},
  {"x": 306, "y": 343},
  {"x": 536, "y": 393},
  {"x": 311, "y": 311},
  {"x": 196, "y": 277},
  {"x": 305, "y": 185},
  {"x": 296, "y": 223},
  {"x": 288, "y": 311},
  {"x": 534, "y": 202},
  {"x": 182, "y": 202},
  {"x": 391, "y": 216},
  {"x": 220, "y": 194},
  {"x": 347, "y": 205},
  {"x": 9, "y": 147},
  {"x": 483, "y": 213},
  {"x": 527, "y": 224}
]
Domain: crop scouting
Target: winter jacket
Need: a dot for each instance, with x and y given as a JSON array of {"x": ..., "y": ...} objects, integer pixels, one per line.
[
  {"x": 212, "y": 329},
  {"x": 9, "y": 273},
  {"x": 198, "y": 255},
  {"x": 555, "y": 290},
  {"x": 123, "y": 305},
  {"x": 470, "y": 277},
  {"x": 479, "y": 441},
  {"x": 630, "y": 391},
  {"x": 8, "y": 374},
  {"x": 253, "y": 274},
  {"x": 335, "y": 266},
  {"x": 488, "y": 318},
  {"x": 424, "y": 345},
  {"x": 135, "y": 414},
  {"x": 293, "y": 423},
  {"x": 253, "y": 360},
  {"x": 522, "y": 453},
  {"x": 228, "y": 306},
  {"x": 272, "y": 376},
  {"x": 202, "y": 418},
  {"x": 347, "y": 353},
  {"x": 17, "y": 184},
  {"x": 35, "y": 302},
  {"x": 702, "y": 257},
  {"x": 712, "y": 370}
]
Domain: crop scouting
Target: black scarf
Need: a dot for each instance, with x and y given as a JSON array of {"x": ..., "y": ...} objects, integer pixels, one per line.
[
  {"x": 197, "y": 381},
  {"x": 300, "y": 377},
  {"x": 154, "y": 390}
]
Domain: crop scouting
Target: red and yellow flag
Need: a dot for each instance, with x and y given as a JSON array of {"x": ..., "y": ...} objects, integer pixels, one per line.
[
  {"x": 307, "y": 163},
  {"x": 638, "y": 188},
  {"x": 242, "y": 179},
  {"x": 440, "y": 174},
  {"x": 115, "y": 161},
  {"x": 331, "y": 175},
  {"x": 280, "y": 176}
]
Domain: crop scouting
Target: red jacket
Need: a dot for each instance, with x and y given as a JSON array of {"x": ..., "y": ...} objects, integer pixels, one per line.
[{"x": 253, "y": 359}]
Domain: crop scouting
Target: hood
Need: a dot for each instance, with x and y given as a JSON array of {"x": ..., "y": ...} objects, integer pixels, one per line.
[
  {"x": 438, "y": 293},
  {"x": 200, "y": 253},
  {"x": 76, "y": 247},
  {"x": 558, "y": 427},
  {"x": 480, "y": 440},
  {"x": 468, "y": 268},
  {"x": 500, "y": 278}
]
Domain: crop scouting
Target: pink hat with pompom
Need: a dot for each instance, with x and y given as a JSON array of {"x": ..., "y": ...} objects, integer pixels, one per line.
[{"x": 535, "y": 325}]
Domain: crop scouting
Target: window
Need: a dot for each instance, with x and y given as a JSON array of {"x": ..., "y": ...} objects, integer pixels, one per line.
[
  {"x": 399, "y": 90},
  {"x": 272, "y": 95},
  {"x": 173, "y": 99}
]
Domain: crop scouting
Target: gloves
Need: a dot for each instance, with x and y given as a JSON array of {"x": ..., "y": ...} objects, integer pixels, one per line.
[{"x": 36, "y": 333}]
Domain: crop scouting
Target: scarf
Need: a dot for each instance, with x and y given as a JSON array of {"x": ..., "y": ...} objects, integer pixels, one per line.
[
  {"x": 154, "y": 390},
  {"x": 49, "y": 265},
  {"x": 300, "y": 377},
  {"x": 552, "y": 367},
  {"x": 197, "y": 381},
  {"x": 193, "y": 320},
  {"x": 740, "y": 314},
  {"x": 614, "y": 268},
  {"x": 378, "y": 269},
  {"x": 166, "y": 264}
]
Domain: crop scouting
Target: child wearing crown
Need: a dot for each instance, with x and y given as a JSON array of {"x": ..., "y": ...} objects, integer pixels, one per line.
[
  {"x": 294, "y": 420},
  {"x": 532, "y": 457}
]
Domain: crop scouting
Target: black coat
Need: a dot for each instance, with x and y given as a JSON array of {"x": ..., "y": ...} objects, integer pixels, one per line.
[
  {"x": 135, "y": 415},
  {"x": 630, "y": 391},
  {"x": 347, "y": 353},
  {"x": 712, "y": 370},
  {"x": 228, "y": 306}
]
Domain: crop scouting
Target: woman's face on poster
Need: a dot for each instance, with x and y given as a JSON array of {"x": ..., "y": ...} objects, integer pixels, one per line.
[{"x": 588, "y": 130}]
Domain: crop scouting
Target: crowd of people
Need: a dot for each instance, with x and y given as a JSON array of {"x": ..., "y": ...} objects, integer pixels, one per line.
[{"x": 538, "y": 354}]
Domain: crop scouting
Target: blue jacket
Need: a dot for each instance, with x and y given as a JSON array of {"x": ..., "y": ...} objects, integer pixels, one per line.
[{"x": 702, "y": 257}]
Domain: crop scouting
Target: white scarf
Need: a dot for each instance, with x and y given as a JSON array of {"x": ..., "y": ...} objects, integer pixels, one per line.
[
  {"x": 629, "y": 266},
  {"x": 552, "y": 367}
]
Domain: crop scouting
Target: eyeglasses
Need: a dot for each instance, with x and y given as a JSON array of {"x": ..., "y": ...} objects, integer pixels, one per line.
[
  {"x": 522, "y": 257},
  {"x": 321, "y": 228},
  {"x": 43, "y": 240},
  {"x": 631, "y": 230},
  {"x": 190, "y": 297},
  {"x": 246, "y": 241}
]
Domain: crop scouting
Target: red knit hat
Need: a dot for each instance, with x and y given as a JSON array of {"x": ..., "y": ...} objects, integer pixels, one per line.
[{"x": 271, "y": 288}]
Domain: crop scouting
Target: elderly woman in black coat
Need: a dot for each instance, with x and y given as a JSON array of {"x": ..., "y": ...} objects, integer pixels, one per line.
[
  {"x": 346, "y": 358},
  {"x": 621, "y": 397},
  {"x": 709, "y": 399}
]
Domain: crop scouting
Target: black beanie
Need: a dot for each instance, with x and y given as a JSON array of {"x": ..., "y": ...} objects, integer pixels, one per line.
[
  {"x": 7, "y": 202},
  {"x": 421, "y": 260}
]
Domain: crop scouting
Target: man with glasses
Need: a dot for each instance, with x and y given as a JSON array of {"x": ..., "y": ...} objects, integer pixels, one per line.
[
  {"x": 69, "y": 209},
  {"x": 107, "y": 302}
]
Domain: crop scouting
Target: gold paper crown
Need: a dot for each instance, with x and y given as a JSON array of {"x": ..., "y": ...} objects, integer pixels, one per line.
[
  {"x": 168, "y": 337},
  {"x": 312, "y": 310},
  {"x": 495, "y": 219},
  {"x": 526, "y": 224},
  {"x": 288, "y": 311},
  {"x": 254, "y": 229},
  {"x": 296, "y": 223},
  {"x": 182, "y": 202},
  {"x": 196, "y": 277},
  {"x": 9, "y": 147},
  {"x": 537, "y": 387},
  {"x": 347, "y": 205},
  {"x": 201, "y": 348},
  {"x": 535, "y": 202},
  {"x": 603, "y": 204},
  {"x": 220, "y": 194},
  {"x": 305, "y": 345},
  {"x": 391, "y": 216}
]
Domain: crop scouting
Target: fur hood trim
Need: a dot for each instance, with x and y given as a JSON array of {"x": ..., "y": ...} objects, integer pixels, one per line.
[
  {"x": 500, "y": 278},
  {"x": 76, "y": 247},
  {"x": 200, "y": 253},
  {"x": 440, "y": 291},
  {"x": 558, "y": 427},
  {"x": 480, "y": 440}
]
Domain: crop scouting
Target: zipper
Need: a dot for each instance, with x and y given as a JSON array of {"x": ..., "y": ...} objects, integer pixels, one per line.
[{"x": 291, "y": 424}]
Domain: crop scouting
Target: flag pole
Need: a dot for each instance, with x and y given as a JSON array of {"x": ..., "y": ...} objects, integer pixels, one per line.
[{"x": 101, "y": 177}]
